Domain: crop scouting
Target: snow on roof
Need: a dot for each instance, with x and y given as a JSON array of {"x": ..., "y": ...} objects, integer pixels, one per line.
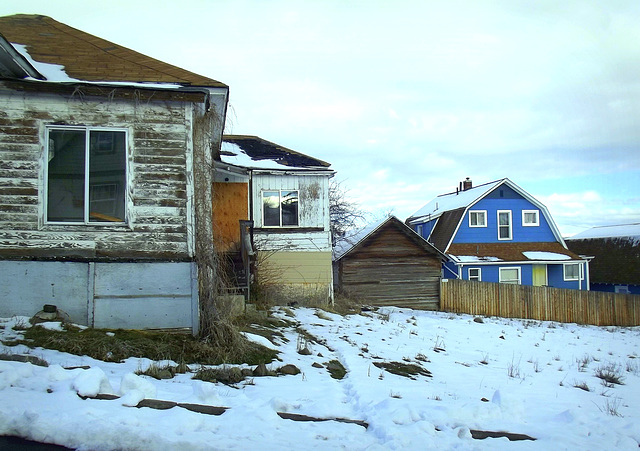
[
  {"x": 56, "y": 73},
  {"x": 540, "y": 255},
  {"x": 475, "y": 258},
  {"x": 611, "y": 231},
  {"x": 233, "y": 154},
  {"x": 453, "y": 201},
  {"x": 256, "y": 153}
]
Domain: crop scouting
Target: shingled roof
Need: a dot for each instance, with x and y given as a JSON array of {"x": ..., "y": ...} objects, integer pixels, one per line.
[
  {"x": 511, "y": 252},
  {"x": 89, "y": 58}
]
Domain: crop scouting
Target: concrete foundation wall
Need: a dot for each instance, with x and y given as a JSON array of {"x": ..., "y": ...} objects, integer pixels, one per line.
[{"x": 105, "y": 295}]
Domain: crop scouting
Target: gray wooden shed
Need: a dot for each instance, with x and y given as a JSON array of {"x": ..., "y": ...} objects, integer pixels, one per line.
[{"x": 388, "y": 264}]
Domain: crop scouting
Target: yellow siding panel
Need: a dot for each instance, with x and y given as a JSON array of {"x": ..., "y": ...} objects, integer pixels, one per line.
[{"x": 297, "y": 267}]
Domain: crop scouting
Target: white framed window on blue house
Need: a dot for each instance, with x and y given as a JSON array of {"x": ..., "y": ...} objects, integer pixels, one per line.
[
  {"x": 419, "y": 229},
  {"x": 85, "y": 175},
  {"x": 475, "y": 274},
  {"x": 530, "y": 218},
  {"x": 280, "y": 208},
  {"x": 504, "y": 225},
  {"x": 572, "y": 271},
  {"x": 510, "y": 275},
  {"x": 477, "y": 218}
]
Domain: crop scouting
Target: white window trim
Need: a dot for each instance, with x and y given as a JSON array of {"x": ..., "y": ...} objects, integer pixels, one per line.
[
  {"x": 419, "y": 229},
  {"x": 580, "y": 273},
  {"x": 510, "y": 225},
  {"x": 128, "y": 181},
  {"x": 484, "y": 213},
  {"x": 510, "y": 267},
  {"x": 533, "y": 224},
  {"x": 479, "y": 278},
  {"x": 279, "y": 208}
]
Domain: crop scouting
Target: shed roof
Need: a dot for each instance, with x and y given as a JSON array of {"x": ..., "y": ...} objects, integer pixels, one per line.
[
  {"x": 85, "y": 57},
  {"x": 347, "y": 246},
  {"x": 256, "y": 153}
]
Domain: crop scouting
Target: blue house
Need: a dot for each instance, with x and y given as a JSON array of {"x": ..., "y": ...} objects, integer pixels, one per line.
[{"x": 497, "y": 232}]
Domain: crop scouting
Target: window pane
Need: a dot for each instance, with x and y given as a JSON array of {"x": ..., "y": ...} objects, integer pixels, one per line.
[
  {"x": 480, "y": 219},
  {"x": 289, "y": 208},
  {"x": 271, "y": 208},
  {"x": 65, "y": 176},
  {"x": 504, "y": 218},
  {"x": 572, "y": 272},
  {"x": 504, "y": 232},
  {"x": 531, "y": 218},
  {"x": 509, "y": 275},
  {"x": 107, "y": 175}
]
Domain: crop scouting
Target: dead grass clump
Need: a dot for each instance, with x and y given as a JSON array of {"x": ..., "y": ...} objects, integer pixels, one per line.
[
  {"x": 223, "y": 345},
  {"x": 225, "y": 375},
  {"x": 403, "y": 369},
  {"x": 610, "y": 374}
]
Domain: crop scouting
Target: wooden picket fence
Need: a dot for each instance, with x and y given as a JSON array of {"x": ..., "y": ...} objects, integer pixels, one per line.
[{"x": 541, "y": 303}]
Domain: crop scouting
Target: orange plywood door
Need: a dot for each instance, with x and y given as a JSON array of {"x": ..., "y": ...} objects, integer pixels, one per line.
[{"x": 230, "y": 205}]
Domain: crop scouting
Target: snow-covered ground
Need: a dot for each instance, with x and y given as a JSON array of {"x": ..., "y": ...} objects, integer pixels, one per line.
[{"x": 500, "y": 375}]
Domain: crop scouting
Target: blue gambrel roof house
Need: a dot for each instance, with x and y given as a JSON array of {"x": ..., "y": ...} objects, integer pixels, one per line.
[{"x": 497, "y": 232}]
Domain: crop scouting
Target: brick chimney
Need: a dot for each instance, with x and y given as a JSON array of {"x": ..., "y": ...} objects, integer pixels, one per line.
[{"x": 467, "y": 184}]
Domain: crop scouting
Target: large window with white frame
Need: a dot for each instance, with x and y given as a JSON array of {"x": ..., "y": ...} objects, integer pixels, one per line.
[
  {"x": 477, "y": 218},
  {"x": 86, "y": 175},
  {"x": 505, "y": 231},
  {"x": 475, "y": 274},
  {"x": 510, "y": 275},
  {"x": 530, "y": 218},
  {"x": 572, "y": 271},
  {"x": 280, "y": 208}
]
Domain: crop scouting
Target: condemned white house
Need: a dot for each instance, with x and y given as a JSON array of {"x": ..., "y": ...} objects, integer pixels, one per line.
[
  {"x": 102, "y": 191},
  {"x": 285, "y": 197}
]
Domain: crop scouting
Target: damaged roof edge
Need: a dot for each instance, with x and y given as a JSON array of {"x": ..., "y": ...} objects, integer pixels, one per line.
[{"x": 15, "y": 63}]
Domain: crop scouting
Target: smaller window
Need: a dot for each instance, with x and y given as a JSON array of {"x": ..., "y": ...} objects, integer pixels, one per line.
[
  {"x": 530, "y": 218},
  {"x": 280, "y": 208},
  {"x": 510, "y": 275},
  {"x": 572, "y": 271},
  {"x": 475, "y": 274},
  {"x": 419, "y": 230},
  {"x": 504, "y": 225},
  {"x": 477, "y": 218}
]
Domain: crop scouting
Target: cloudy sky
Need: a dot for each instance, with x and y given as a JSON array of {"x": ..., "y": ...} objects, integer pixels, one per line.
[{"x": 407, "y": 98}]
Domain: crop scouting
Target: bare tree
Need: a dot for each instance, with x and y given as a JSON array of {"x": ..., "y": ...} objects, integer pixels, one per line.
[{"x": 344, "y": 213}]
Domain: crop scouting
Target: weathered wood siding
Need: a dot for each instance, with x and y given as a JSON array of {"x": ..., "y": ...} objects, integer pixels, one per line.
[
  {"x": 389, "y": 269},
  {"x": 541, "y": 303},
  {"x": 313, "y": 191},
  {"x": 313, "y": 233},
  {"x": 158, "y": 187}
]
